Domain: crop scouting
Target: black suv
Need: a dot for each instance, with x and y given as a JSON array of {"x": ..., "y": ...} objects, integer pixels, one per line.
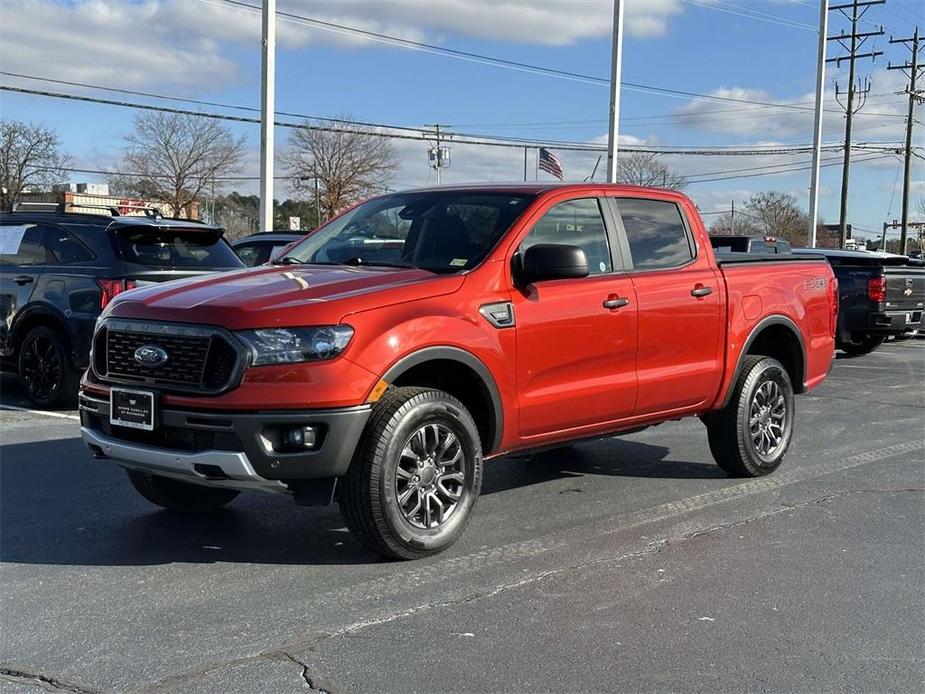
[{"x": 59, "y": 269}]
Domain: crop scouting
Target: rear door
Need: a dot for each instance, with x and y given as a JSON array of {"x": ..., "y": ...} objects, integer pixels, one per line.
[
  {"x": 680, "y": 302},
  {"x": 576, "y": 338},
  {"x": 21, "y": 257}
]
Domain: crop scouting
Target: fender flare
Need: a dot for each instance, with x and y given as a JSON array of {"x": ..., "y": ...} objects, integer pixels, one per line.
[
  {"x": 776, "y": 319},
  {"x": 42, "y": 313},
  {"x": 461, "y": 356}
]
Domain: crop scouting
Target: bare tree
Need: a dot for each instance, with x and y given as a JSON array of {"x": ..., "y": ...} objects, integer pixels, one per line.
[
  {"x": 349, "y": 162},
  {"x": 769, "y": 213},
  {"x": 174, "y": 158},
  {"x": 646, "y": 169},
  {"x": 30, "y": 157}
]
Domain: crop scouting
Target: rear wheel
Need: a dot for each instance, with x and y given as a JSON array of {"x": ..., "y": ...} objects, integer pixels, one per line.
[
  {"x": 862, "y": 344},
  {"x": 749, "y": 437},
  {"x": 46, "y": 369},
  {"x": 416, "y": 474},
  {"x": 179, "y": 496}
]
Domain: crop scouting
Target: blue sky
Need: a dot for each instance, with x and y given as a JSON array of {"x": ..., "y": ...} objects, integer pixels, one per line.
[{"x": 761, "y": 50}]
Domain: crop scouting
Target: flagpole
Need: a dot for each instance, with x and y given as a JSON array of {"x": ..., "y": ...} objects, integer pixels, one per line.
[{"x": 616, "y": 68}]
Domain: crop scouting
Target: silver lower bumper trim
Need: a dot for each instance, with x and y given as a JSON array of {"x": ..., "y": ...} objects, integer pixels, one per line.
[{"x": 236, "y": 469}]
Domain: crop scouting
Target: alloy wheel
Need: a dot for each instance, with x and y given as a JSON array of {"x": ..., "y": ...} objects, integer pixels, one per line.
[{"x": 429, "y": 480}]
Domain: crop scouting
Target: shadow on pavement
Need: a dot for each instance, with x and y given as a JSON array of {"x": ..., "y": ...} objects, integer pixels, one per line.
[{"x": 59, "y": 506}]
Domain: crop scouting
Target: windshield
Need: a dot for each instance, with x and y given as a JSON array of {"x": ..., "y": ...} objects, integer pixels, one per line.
[
  {"x": 439, "y": 231},
  {"x": 169, "y": 249}
]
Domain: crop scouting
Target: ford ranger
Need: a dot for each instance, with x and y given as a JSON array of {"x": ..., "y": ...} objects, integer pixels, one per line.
[{"x": 391, "y": 351}]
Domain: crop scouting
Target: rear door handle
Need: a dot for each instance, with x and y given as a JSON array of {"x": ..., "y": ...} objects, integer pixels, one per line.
[
  {"x": 700, "y": 290},
  {"x": 23, "y": 279},
  {"x": 619, "y": 302}
]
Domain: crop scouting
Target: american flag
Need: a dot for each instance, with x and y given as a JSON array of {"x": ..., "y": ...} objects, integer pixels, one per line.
[{"x": 550, "y": 163}]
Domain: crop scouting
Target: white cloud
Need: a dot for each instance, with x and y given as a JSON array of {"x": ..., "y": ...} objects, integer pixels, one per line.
[
  {"x": 880, "y": 119},
  {"x": 187, "y": 44}
]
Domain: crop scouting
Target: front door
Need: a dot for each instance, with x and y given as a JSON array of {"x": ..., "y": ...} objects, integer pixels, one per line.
[
  {"x": 21, "y": 253},
  {"x": 576, "y": 338}
]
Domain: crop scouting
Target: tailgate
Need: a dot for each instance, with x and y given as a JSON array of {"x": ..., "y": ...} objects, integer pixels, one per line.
[{"x": 905, "y": 288}]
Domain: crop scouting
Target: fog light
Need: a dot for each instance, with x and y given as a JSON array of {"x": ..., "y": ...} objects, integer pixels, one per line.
[{"x": 300, "y": 437}]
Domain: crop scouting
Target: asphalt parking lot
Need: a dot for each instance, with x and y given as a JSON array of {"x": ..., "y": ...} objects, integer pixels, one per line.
[{"x": 630, "y": 564}]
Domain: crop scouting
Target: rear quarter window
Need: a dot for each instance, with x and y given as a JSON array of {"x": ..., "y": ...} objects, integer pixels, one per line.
[{"x": 172, "y": 248}]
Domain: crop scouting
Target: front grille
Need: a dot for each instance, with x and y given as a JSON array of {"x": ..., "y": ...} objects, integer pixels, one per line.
[
  {"x": 171, "y": 437},
  {"x": 198, "y": 360}
]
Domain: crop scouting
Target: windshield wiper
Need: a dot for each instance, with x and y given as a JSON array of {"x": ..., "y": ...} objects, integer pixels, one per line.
[
  {"x": 288, "y": 260},
  {"x": 359, "y": 262}
]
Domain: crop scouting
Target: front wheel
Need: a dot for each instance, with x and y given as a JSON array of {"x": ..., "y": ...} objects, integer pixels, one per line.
[
  {"x": 416, "y": 474},
  {"x": 179, "y": 496},
  {"x": 749, "y": 437}
]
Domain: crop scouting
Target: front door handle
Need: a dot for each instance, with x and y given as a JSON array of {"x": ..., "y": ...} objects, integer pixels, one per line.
[
  {"x": 23, "y": 279},
  {"x": 617, "y": 302},
  {"x": 700, "y": 291}
]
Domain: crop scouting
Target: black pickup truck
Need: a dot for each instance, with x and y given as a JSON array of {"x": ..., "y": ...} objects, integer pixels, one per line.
[{"x": 880, "y": 295}]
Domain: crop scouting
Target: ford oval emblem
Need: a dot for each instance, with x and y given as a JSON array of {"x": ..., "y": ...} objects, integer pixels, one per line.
[{"x": 150, "y": 356}]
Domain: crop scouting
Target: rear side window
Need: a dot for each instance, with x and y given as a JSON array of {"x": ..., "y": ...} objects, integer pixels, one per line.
[
  {"x": 576, "y": 223},
  {"x": 21, "y": 244},
  {"x": 169, "y": 248},
  {"x": 64, "y": 248},
  {"x": 655, "y": 232}
]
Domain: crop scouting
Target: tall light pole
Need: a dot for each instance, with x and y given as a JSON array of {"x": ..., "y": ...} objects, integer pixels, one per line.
[
  {"x": 817, "y": 123},
  {"x": 616, "y": 69},
  {"x": 267, "y": 108}
]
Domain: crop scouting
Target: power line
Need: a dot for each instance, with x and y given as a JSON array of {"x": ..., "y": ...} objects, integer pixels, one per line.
[
  {"x": 459, "y": 138},
  {"x": 720, "y": 6}
]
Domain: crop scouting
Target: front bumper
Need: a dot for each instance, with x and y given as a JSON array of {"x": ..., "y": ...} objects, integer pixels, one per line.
[{"x": 232, "y": 447}]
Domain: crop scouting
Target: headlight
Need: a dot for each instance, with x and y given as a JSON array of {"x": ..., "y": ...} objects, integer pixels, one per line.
[{"x": 288, "y": 345}]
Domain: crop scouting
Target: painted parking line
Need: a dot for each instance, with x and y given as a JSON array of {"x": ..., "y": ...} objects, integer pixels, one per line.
[{"x": 60, "y": 415}]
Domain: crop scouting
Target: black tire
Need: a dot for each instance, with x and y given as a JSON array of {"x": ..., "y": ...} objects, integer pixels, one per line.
[
  {"x": 179, "y": 496},
  {"x": 48, "y": 374},
  {"x": 732, "y": 430},
  {"x": 865, "y": 344},
  {"x": 371, "y": 496}
]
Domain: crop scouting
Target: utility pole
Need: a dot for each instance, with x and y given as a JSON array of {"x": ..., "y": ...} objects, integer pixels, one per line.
[
  {"x": 732, "y": 218},
  {"x": 439, "y": 155},
  {"x": 817, "y": 123},
  {"x": 858, "y": 10},
  {"x": 267, "y": 108},
  {"x": 913, "y": 68},
  {"x": 317, "y": 203},
  {"x": 616, "y": 70}
]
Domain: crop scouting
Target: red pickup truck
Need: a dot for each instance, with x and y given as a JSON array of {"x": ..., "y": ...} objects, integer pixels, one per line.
[{"x": 391, "y": 351}]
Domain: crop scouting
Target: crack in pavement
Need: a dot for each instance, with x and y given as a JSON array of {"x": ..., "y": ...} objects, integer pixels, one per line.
[
  {"x": 312, "y": 683},
  {"x": 34, "y": 679}
]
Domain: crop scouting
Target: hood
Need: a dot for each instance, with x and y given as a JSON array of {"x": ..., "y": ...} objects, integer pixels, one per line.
[{"x": 272, "y": 295}]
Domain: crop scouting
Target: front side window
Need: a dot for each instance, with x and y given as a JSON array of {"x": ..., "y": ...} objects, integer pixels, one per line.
[
  {"x": 655, "y": 232},
  {"x": 575, "y": 223},
  {"x": 439, "y": 231},
  {"x": 22, "y": 244}
]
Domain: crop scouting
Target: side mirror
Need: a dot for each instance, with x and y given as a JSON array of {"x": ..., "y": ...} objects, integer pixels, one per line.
[{"x": 553, "y": 261}]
